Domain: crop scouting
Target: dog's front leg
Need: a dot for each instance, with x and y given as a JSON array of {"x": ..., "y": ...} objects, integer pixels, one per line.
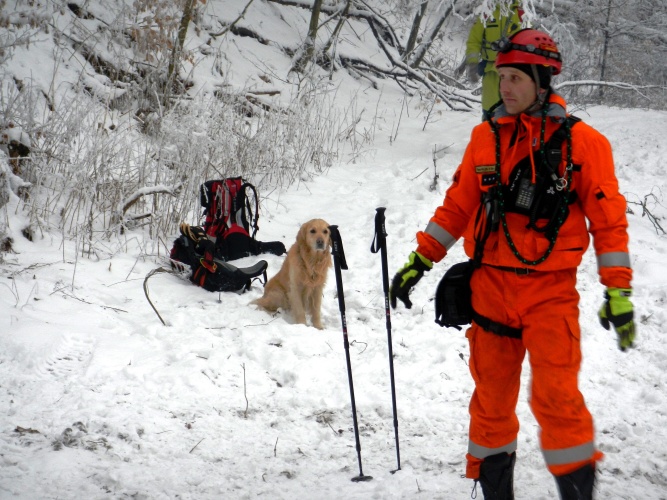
[
  {"x": 297, "y": 306},
  {"x": 316, "y": 304}
]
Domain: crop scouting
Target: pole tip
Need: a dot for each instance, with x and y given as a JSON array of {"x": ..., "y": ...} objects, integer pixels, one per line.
[{"x": 361, "y": 478}]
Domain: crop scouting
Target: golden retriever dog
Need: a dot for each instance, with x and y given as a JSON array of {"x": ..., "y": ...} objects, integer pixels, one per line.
[{"x": 299, "y": 284}]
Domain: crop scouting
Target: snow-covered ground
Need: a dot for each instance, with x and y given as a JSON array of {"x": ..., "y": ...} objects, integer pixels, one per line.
[{"x": 100, "y": 400}]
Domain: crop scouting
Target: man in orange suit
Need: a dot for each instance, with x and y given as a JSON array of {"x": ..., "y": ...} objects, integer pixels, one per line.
[{"x": 533, "y": 185}]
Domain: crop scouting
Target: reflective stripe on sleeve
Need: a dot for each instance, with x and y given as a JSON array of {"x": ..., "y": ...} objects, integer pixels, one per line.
[
  {"x": 478, "y": 451},
  {"x": 614, "y": 259},
  {"x": 569, "y": 455},
  {"x": 442, "y": 236}
]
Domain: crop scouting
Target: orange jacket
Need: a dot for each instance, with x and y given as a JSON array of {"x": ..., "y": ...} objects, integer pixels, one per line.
[{"x": 598, "y": 200}]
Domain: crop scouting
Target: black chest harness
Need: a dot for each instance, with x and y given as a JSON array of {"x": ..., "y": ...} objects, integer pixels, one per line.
[{"x": 544, "y": 202}]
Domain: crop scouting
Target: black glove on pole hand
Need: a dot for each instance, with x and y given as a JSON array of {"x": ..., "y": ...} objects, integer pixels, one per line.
[{"x": 407, "y": 277}]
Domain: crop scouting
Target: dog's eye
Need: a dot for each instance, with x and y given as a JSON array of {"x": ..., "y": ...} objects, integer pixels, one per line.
[
  {"x": 313, "y": 231},
  {"x": 326, "y": 231}
]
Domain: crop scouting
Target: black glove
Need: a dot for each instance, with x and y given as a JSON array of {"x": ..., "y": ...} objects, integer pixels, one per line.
[
  {"x": 407, "y": 277},
  {"x": 472, "y": 72},
  {"x": 195, "y": 233}
]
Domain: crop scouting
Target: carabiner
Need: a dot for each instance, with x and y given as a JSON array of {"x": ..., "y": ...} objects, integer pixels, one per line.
[{"x": 561, "y": 184}]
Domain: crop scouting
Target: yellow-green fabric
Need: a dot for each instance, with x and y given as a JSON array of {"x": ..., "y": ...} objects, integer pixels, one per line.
[
  {"x": 407, "y": 277},
  {"x": 478, "y": 49},
  {"x": 617, "y": 310}
]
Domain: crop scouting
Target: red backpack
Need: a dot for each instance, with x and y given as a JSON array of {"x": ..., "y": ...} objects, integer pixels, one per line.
[{"x": 231, "y": 210}]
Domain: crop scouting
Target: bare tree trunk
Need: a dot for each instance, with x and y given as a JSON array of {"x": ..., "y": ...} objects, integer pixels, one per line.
[
  {"x": 178, "y": 48},
  {"x": 309, "y": 44},
  {"x": 414, "y": 32},
  {"x": 605, "y": 48},
  {"x": 422, "y": 49},
  {"x": 336, "y": 31}
]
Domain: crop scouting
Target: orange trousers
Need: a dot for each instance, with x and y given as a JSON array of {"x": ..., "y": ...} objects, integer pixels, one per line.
[{"x": 546, "y": 306}]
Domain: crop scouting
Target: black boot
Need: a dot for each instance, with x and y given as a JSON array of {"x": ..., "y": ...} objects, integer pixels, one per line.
[
  {"x": 577, "y": 485},
  {"x": 496, "y": 475}
]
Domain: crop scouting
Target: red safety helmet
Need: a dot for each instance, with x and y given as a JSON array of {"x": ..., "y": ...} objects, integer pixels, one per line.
[{"x": 528, "y": 46}]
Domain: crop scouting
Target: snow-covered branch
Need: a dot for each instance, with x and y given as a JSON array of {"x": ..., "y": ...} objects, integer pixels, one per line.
[{"x": 147, "y": 191}]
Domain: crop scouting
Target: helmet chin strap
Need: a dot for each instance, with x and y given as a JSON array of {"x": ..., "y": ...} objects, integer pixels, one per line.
[
  {"x": 536, "y": 78},
  {"x": 541, "y": 94},
  {"x": 539, "y": 101}
]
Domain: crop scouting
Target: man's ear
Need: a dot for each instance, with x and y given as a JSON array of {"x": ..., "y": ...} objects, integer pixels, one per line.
[{"x": 542, "y": 94}]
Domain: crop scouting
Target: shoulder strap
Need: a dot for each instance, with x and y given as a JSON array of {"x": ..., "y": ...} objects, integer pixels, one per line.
[
  {"x": 552, "y": 148},
  {"x": 254, "y": 215},
  {"x": 557, "y": 138}
]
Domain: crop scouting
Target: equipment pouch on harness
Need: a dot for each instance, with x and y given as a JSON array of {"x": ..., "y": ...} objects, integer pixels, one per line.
[
  {"x": 453, "y": 298},
  {"x": 539, "y": 200},
  {"x": 544, "y": 201}
]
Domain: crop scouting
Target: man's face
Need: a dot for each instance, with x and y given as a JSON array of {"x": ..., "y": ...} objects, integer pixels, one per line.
[{"x": 517, "y": 90}]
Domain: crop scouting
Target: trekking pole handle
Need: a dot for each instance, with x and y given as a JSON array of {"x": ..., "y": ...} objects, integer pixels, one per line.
[
  {"x": 338, "y": 255},
  {"x": 380, "y": 244}
]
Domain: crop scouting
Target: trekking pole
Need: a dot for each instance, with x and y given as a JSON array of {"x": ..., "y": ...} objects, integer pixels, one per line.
[
  {"x": 339, "y": 263},
  {"x": 380, "y": 243}
]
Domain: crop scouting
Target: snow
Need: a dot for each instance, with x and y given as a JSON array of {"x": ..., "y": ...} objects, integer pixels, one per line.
[{"x": 101, "y": 400}]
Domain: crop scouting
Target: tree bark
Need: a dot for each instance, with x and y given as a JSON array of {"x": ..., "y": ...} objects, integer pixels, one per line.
[
  {"x": 339, "y": 26},
  {"x": 603, "y": 65},
  {"x": 423, "y": 47},
  {"x": 309, "y": 44},
  {"x": 414, "y": 31},
  {"x": 178, "y": 48}
]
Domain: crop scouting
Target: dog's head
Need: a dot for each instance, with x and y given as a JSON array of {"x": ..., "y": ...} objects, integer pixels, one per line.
[{"x": 315, "y": 235}]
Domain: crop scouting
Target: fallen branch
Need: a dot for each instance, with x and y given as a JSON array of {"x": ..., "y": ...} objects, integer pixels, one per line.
[
  {"x": 155, "y": 271},
  {"x": 598, "y": 83},
  {"x": 193, "y": 448},
  {"x": 446, "y": 88},
  {"x": 139, "y": 193},
  {"x": 245, "y": 394},
  {"x": 67, "y": 294},
  {"x": 233, "y": 23},
  {"x": 646, "y": 212}
]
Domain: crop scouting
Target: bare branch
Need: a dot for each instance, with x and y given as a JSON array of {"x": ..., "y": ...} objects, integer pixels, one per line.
[
  {"x": 233, "y": 23},
  {"x": 137, "y": 195}
]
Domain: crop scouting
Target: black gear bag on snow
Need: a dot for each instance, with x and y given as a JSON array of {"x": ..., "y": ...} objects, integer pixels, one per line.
[
  {"x": 194, "y": 249},
  {"x": 218, "y": 276}
]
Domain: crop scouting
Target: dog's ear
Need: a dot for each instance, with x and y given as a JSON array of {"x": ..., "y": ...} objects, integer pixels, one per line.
[
  {"x": 301, "y": 235},
  {"x": 329, "y": 237}
]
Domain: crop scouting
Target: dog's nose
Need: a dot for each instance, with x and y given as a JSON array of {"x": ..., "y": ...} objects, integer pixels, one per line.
[{"x": 320, "y": 243}]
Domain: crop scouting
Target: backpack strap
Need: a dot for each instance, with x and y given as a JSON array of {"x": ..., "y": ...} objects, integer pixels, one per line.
[
  {"x": 552, "y": 148},
  {"x": 212, "y": 199},
  {"x": 254, "y": 215}
]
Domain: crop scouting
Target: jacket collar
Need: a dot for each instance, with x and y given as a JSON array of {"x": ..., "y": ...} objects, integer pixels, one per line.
[{"x": 556, "y": 110}]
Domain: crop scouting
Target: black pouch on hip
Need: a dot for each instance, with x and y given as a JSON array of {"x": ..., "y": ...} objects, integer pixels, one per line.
[{"x": 453, "y": 304}]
